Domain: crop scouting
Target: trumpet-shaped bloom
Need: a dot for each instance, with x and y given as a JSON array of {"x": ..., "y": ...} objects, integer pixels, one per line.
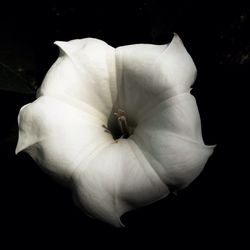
[{"x": 118, "y": 125}]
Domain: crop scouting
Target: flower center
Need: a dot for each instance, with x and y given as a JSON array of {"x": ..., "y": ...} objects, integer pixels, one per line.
[
  {"x": 123, "y": 125},
  {"x": 119, "y": 128}
]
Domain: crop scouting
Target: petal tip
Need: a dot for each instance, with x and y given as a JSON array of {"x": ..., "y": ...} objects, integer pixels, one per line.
[
  {"x": 17, "y": 151},
  {"x": 19, "y": 147}
]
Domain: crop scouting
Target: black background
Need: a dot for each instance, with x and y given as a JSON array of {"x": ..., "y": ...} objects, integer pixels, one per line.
[{"x": 37, "y": 211}]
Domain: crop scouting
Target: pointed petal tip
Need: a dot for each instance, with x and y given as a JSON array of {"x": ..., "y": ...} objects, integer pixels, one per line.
[
  {"x": 175, "y": 34},
  {"x": 63, "y": 46},
  {"x": 212, "y": 147},
  {"x": 119, "y": 224},
  {"x": 18, "y": 148},
  {"x": 58, "y": 43},
  {"x": 112, "y": 220}
]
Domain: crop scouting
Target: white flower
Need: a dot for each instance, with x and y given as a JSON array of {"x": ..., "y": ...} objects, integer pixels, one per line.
[{"x": 118, "y": 125}]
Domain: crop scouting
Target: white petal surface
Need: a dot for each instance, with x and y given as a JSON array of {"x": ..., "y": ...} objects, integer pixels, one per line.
[
  {"x": 148, "y": 74},
  {"x": 170, "y": 138},
  {"x": 119, "y": 179},
  {"x": 84, "y": 72},
  {"x": 58, "y": 136}
]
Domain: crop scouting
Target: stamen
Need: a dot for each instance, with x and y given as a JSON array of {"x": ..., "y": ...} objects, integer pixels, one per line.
[
  {"x": 106, "y": 129},
  {"x": 122, "y": 121}
]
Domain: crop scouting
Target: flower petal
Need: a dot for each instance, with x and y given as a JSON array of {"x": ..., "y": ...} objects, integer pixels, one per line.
[
  {"x": 84, "y": 71},
  {"x": 58, "y": 135},
  {"x": 117, "y": 180},
  {"x": 170, "y": 138},
  {"x": 148, "y": 74}
]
